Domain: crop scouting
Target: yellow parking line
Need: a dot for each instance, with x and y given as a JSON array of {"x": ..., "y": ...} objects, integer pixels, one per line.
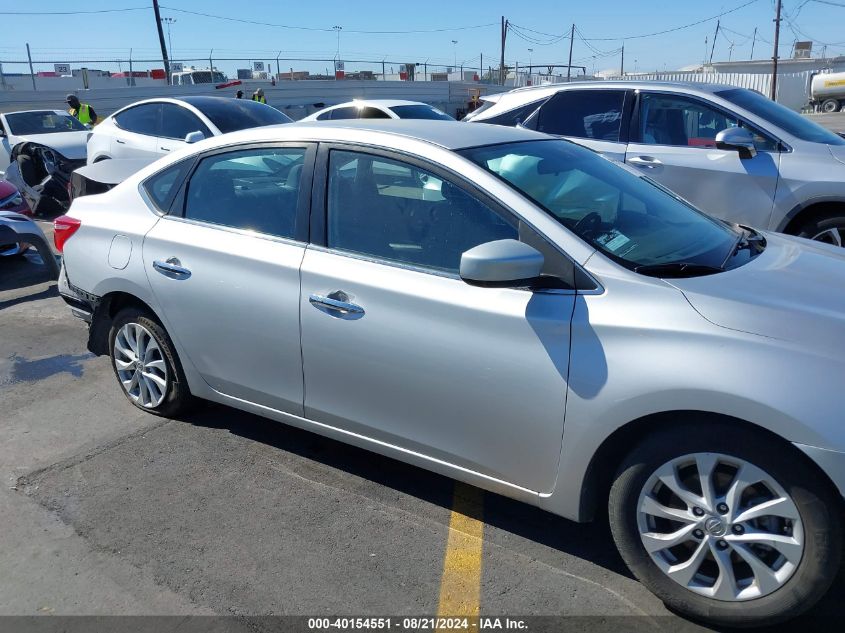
[{"x": 460, "y": 585}]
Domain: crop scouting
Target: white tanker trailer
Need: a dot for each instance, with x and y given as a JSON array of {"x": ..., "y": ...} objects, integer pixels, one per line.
[{"x": 827, "y": 92}]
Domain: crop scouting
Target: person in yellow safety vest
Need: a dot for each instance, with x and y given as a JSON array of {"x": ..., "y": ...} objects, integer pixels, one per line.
[
  {"x": 258, "y": 95},
  {"x": 82, "y": 111}
]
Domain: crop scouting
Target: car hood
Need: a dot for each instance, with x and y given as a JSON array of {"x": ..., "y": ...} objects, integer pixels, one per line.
[
  {"x": 794, "y": 291},
  {"x": 838, "y": 152},
  {"x": 71, "y": 145}
]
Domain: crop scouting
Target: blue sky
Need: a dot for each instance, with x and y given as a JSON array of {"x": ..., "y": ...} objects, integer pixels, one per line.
[{"x": 110, "y": 35}]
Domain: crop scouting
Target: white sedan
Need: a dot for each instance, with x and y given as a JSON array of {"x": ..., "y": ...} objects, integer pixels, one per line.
[
  {"x": 54, "y": 129},
  {"x": 379, "y": 109}
]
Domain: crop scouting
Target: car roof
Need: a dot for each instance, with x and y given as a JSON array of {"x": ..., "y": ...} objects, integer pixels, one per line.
[
  {"x": 451, "y": 135},
  {"x": 629, "y": 84},
  {"x": 39, "y": 110},
  {"x": 384, "y": 103}
]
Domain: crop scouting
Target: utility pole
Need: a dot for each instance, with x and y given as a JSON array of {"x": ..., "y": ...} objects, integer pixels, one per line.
[
  {"x": 481, "y": 67},
  {"x": 622, "y": 69},
  {"x": 161, "y": 42},
  {"x": 753, "y": 42},
  {"x": 502, "y": 57},
  {"x": 774, "y": 91},
  {"x": 715, "y": 37},
  {"x": 31, "y": 71},
  {"x": 569, "y": 65}
]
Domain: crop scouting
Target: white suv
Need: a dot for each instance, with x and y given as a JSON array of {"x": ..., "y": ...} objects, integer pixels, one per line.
[{"x": 730, "y": 151}]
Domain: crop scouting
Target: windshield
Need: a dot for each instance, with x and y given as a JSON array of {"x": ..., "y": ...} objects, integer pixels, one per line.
[
  {"x": 626, "y": 217},
  {"x": 239, "y": 114},
  {"x": 787, "y": 120},
  {"x": 420, "y": 112},
  {"x": 46, "y": 122}
]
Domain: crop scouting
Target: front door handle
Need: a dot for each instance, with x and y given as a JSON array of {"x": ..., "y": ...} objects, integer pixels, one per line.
[
  {"x": 117, "y": 140},
  {"x": 337, "y": 304},
  {"x": 172, "y": 268},
  {"x": 649, "y": 162},
  {"x": 165, "y": 149}
]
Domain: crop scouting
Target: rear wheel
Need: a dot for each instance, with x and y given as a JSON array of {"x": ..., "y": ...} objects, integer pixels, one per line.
[
  {"x": 830, "y": 105},
  {"x": 726, "y": 525},
  {"x": 146, "y": 365},
  {"x": 829, "y": 229}
]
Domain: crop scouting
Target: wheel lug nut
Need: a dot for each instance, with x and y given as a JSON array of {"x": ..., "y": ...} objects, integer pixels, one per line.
[
  {"x": 722, "y": 544},
  {"x": 698, "y": 511},
  {"x": 738, "y": 529},
  {"x": 722, "y": 508},
  {"x": 699, "y": 534}
]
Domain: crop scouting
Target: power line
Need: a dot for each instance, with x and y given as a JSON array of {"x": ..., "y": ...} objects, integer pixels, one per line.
[
  {"x": 326, "y": 30},
  {"x": 73, "y": 12},
  {"x": 672, "y": 30}
]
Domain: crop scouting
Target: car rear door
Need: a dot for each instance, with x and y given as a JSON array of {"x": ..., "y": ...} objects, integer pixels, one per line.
[
  {"x": 135, "y": 132},
  {"x": 176, "y": 123},
  {"x": 673, "y": 142},
  {"x": 595, "y": 118},
  {"x": 397, "y": 348},
  {"x": 224, "y": 267}
]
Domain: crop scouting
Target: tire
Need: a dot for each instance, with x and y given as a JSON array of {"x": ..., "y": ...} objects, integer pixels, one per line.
[
  {"x": 830, "y": 105},
  {"x": 158, "y": 386},
  {"x": 805, "y": 575},
  {"x": 828, "y": 228}
]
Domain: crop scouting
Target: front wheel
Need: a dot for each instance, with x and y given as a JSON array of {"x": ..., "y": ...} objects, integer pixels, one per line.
[
  {"x": 726, "y": 525},
  {"x": 146, "y": 365},
  {"x": 829, "y": 229}
]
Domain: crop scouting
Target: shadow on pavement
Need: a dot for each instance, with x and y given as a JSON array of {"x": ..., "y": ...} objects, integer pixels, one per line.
[{"x": 591, "y": 542}]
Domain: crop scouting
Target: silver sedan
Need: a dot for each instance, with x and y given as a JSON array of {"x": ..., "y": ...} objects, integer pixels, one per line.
[{"x": 505, "y": 308}]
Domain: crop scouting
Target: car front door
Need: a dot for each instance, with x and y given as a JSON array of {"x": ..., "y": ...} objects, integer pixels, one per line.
[
  {"x": 176, "y": 123},
  {"x": 396, "y": 347},
  {"x": 594, "y": 118},
  {"x": 224, "y": 267},
  {"x": 674, "y": 143},
  {"x": 136, "y": 130}
]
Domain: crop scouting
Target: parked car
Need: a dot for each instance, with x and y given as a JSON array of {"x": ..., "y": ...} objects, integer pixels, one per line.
[
  {"x": 12, "y": 201},
  {"x": 730, "y": 151},
  {"x": 379, "y": 109},
  {"x": 505, "y": 308},
  {"x": 18, "y": 232},
  {"x": 151, "y": 128},
  {"x": 38, "y": 150}
]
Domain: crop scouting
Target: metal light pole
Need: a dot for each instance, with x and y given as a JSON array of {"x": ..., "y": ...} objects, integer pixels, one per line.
[
  {"x": 455, "y": 52},
  {"x": 337, "y": 29},
  {"x": 168, "y": 22}
]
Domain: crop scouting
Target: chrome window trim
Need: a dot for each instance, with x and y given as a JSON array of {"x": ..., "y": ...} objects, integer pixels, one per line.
[{"x": 231, "y": 229}]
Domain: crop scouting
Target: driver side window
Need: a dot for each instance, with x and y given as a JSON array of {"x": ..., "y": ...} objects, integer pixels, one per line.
[{"x": 398, "y": 212}]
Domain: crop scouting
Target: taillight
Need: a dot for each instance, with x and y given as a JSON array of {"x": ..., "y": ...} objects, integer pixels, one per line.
[{"x": 64, "y": 227}]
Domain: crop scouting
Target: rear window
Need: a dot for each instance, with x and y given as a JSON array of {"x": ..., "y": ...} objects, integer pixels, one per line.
[
  {"x": 230, "y": 115},
  {"x": 420, "y": 112},
  {"x": 787, "y": 120},
  {"x": 162, "y": 187},
  {"x": 517, "y": 115}
]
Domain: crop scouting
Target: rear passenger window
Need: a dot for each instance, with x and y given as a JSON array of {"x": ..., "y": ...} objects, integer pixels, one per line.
[
  {"x": 344, "y": 113},
  {"x": 590, "y": 114},
  {"x": 142, "y": 119},
  {"x": 255, "y": 190},
  {"x": 517, "y": 115},
  {"x": 162, "y": 186},
  {"x": 395, "y": 211}
]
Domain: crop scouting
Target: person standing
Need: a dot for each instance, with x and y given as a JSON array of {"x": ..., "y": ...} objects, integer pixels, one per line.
[
  {"x": 83, "y": 112},
  {"x": 239, "y": 94},
  {"x": 258, "y": 95}
]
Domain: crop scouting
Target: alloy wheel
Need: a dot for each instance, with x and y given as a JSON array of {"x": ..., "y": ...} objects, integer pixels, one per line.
[
  {"x": 720, "y": 526},
  {"x": 140, "y": 365},
  {"x": 835, "y": 236}
]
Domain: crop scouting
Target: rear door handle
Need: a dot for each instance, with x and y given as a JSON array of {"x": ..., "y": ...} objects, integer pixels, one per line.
[
  {"x": 117, "y": 140},
  {"x": 645, "y": 161},
  {"x": 172, "y": 268},
  {"x": 165, "y": 149},
  {"x": 336, "y": 303}
]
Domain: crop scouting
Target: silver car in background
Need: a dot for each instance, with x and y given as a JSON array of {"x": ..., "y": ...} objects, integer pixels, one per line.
[
  {"x": 505, "y": 308},
  {"x": 730, "y": 151}
]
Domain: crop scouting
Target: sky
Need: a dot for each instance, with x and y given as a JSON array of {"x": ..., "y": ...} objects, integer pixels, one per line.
[{"x": 539, "y": 35}]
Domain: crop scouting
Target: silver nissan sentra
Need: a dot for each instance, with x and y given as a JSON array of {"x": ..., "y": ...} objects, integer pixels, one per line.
[{"x": 505, "y": 308}]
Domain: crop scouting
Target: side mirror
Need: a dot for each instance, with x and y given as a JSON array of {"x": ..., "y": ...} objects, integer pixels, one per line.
[
  {"x": 193, "y": 137},
  {"x": 737, "y": 139},
  {"x": 501, "y": 264}
]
